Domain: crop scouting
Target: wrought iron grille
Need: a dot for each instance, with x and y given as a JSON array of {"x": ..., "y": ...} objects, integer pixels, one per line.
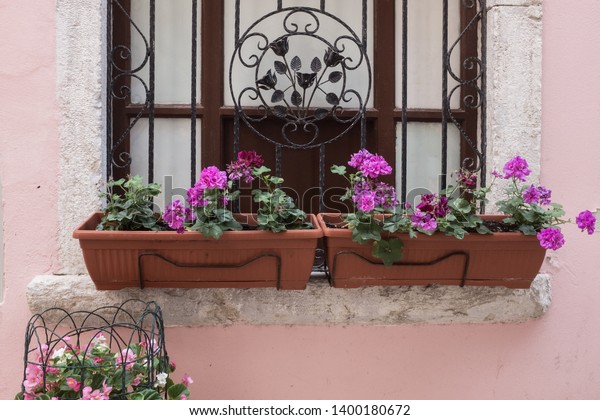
[
  {"x": 302, "y": 93},
  {"x": 77, "y": 335}
]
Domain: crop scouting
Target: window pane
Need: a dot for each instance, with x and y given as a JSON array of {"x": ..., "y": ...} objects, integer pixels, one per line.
[
  {"x": 424, "y": 65},
  {"x": 306, "y": 48},
  {"x": 424, "y": 156},
  {"x": 173, "y": 50},
  {"x": 171, "y": 154}
]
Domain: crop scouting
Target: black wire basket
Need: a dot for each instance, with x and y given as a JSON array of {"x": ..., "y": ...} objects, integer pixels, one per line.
[{"x": 113, "y": 352}]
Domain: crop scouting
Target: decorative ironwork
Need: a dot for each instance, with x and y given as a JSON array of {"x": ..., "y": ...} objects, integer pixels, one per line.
[
  {"x": 471, "y": 88},
  {"x": 76, "y": 333},
  {"x": 120, "y": 73},
  {"x": 300, "y": 76}
]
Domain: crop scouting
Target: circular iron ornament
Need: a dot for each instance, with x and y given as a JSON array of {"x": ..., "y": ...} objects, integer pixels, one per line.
[{"x": 300, "y": 77}]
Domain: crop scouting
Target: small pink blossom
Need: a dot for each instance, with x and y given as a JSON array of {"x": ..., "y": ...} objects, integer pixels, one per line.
[
  {"x": 89, "y": 394},
  {"x": 73, "y": 384},
  {"x": 34, "y": 378},
  {"x": 187, "y": 380},
  {"x": 126, "y": 357}
]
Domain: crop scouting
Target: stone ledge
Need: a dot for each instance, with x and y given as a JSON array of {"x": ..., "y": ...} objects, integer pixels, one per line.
[{"x": 319, "y": 304}]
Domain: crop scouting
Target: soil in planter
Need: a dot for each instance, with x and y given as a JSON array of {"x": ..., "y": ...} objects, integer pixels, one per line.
[
  {"x": 492, "y": 225},
  {"x": 496, "y": 226}
]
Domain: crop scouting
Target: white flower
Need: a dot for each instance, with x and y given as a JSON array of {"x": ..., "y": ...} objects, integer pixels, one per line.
[
  {"x": 98, "y": 339},
  {"x": 161, "y": 379},
  {"x": 58, "y": 353}
]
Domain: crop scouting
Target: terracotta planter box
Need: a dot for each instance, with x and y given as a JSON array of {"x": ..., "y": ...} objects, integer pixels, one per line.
[
  {"x": 240, "y": 259},
  {"x": 500, "y": 259}
]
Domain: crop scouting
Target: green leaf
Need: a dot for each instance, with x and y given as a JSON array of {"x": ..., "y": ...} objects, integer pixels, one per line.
[
  {"x": 388, "y": 251},
  {"x": 150, "y": 394},
  {"x": 175, "y": 391},
  {"x": 527, "y": 229},
  {"x": 340, "y": 170},
  {"x": 276, "y": 180},
  {"x": 260, "y": 171},
  {"x": 211, "y": 230}
]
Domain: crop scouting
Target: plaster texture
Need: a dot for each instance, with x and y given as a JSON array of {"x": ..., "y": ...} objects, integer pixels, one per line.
[
  {"x": 319, "y": 304},
  {"x": 80, "y": 33},
  {"x": 514, "y": 88}
]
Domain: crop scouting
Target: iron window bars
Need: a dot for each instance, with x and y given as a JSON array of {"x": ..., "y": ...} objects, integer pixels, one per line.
[{"x": 290, "y": 104}]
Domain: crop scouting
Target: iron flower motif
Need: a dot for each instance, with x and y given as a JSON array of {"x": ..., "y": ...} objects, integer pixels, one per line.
[
  {"x": 268, "y": 81},
  {"x": 306, "y": 80},
  {"x": 332, "y": 58},
  {"x": 280, "y": 47}
]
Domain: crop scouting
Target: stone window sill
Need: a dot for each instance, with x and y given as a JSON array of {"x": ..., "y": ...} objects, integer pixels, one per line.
[{"x": 319, "y": 304}]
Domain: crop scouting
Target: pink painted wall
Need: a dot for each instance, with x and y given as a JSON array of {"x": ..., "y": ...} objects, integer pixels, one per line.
[
  {"x": 554, "y": 357},
  {"x": 28, "y": 166}
]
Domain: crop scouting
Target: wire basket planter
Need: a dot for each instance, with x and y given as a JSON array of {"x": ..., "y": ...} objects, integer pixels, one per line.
[{"x": 113, "y": 352}]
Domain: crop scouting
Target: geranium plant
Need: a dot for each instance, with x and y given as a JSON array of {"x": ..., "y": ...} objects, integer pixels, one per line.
[
  {"x": 454, "y": 212},
  {"x": 208, "y": 211},
  {"x": 129, "y": 205},
  {"x": 371, "y": 199},
  {"x": 95, "y": 372}
]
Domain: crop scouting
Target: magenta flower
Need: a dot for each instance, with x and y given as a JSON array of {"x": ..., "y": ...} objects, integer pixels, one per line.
[
  {"x": 424, "y": 221},
  {"x": 517, "y": 167},
  {"x": 195, "y": 196},
  {"x": 551, "y": 238},
  {"x": 531, "y": 195},
  {"x": 385, "y": 196},
  {"x": 358, "y": 158},
  {"x": 467, "y": 179},
  {"x": 586, "y": 221},
  {"x": 371, "y": 165},
  {"x": 433, "y": 205},
  {"x": 247, "y": 161},
  {"x": 176, "y": 215},
  {"x": 365, "y": 202},
  {"x": 211, "y": 178},
  {"x": 375, "y": 166},
  {"x": 545, "y": 194}
]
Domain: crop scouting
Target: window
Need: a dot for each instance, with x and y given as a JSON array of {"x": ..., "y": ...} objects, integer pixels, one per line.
[{"x": 170, "y": 109}]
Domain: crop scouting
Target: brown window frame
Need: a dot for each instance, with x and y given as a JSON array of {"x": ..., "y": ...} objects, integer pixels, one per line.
[{"x": 383, "y": 117}]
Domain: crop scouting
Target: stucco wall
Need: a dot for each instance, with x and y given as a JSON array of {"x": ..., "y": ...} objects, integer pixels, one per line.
[
  {"x": 28, "y": 166},
  {"x": 552, "y": 357}
]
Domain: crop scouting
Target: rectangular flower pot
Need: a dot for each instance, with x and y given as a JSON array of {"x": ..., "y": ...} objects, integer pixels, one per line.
[
  {"x": 239, "y": 259},
  {"x": 508, "y": 259}
]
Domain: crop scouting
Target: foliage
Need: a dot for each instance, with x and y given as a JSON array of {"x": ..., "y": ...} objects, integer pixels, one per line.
[
  {"x": 133, "y": 208},
  {"x": 137, "y": 372},
  {"x": 276, "y": 210},
  {"x": 454, "y": 212},
  {"x": 208, "y": 211},
  {"x": 371, "y": 200}
]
